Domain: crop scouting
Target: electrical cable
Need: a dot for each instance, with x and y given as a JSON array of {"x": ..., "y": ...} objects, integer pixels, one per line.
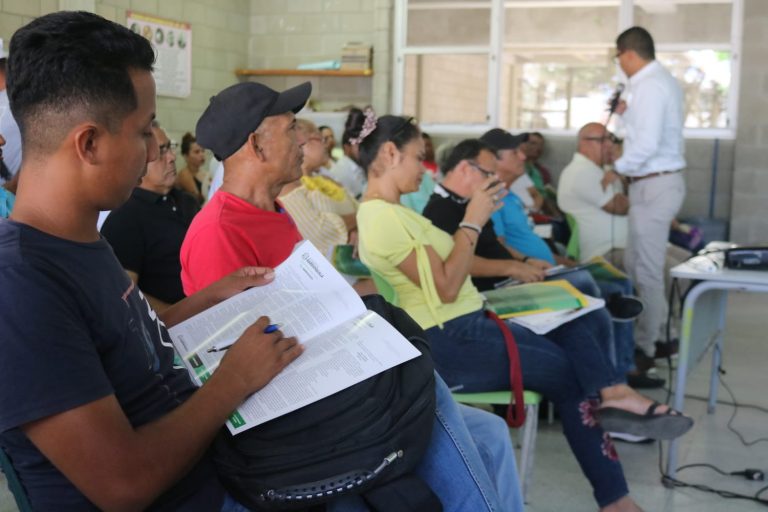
[
  {"x": 733, "y": 415},
  {"x": 750, "y": 474},
  {"x": 671, "y": 483}
]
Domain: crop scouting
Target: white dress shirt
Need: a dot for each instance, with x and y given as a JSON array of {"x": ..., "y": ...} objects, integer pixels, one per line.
[
  {"x": 521, "y": 188},
  {"x": 350, "y": 175},
  {"x": 653, "y": 123},
  {"x": 580, "y": 194}
]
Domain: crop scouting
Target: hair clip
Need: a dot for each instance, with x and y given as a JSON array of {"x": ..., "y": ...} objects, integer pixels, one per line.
[{"x": 368, "y": 126}]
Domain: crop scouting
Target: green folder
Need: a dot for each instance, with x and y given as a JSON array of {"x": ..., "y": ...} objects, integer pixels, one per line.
[
  {"x": 533, "y": 298},
  {"x": 601, "y": 269},
  {"x": 344, "y": 262}
]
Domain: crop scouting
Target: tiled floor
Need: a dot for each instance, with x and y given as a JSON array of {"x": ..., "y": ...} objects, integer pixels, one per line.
[{"x": 559, "y": 485}]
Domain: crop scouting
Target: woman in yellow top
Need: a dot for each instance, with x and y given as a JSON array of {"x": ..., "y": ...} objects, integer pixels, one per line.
[
  {"x": 429, "y": 270},
  {"x": 323, "y": 210}
]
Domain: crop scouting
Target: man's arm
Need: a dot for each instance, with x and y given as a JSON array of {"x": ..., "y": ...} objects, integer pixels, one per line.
[
  {"x": 535, "y": 262},
  {"x": 119, "y": 467},
  {"x": 224, "y": 288},
  {"x": 538, "y": 199},
  {"x": 617, "y": 205},
  {"x": 483, "y": 267},
  {"x": 158, "y": 305}
]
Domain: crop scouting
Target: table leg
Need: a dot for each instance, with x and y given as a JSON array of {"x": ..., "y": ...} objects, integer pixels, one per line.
[
  {"x": 682, "y": 372},
  {"x": 717, "y": 354}
]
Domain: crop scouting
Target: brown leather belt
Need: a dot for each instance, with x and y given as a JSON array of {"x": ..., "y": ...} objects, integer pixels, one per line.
[{"x": 633, "y": 179}]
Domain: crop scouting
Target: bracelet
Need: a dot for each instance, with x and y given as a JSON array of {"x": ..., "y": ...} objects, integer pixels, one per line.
[
  {"x": 469, "y": 239},
  {"x": 474, "y": 227}
]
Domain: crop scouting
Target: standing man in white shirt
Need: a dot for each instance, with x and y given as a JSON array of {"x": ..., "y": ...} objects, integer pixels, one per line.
[{"x": 652, "y": 161}]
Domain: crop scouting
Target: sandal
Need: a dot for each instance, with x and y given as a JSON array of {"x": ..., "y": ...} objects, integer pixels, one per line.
[{"x": 668, "y": 425}]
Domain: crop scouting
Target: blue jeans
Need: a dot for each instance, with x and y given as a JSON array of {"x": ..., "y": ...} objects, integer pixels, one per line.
[
  {"x": 469, "y": 463},
  {"x": 568, "y": 366},
  {"x": 623, "y": 332}
]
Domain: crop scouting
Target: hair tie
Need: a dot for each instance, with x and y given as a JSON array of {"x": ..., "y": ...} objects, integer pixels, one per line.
[{"x": 368, "y": 126}]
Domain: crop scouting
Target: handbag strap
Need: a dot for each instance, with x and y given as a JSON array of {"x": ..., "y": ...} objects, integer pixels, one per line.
[{"x": 516, "y": 409}]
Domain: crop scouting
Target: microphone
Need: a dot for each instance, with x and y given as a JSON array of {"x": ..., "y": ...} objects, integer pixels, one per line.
[{"x": 615, "y": 98}]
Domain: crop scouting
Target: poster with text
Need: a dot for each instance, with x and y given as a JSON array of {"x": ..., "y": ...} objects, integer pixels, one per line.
[{"x": 172, "y": 41}]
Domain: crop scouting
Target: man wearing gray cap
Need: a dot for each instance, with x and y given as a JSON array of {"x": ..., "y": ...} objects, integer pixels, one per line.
[{"x": 251, "y": 128}]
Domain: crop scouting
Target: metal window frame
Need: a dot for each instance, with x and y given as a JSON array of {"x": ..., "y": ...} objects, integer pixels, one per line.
[{"x": 496, "y": 47}]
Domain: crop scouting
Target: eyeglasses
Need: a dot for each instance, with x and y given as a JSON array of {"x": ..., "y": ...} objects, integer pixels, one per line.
[
  {"x": 611, "y": 137},
  {"x": 477, "y": 167},
  {"x": 168, "y": 146}
]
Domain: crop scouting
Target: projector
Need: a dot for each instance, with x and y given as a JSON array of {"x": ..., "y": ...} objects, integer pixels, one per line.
[{"x": 747, "y": 258}]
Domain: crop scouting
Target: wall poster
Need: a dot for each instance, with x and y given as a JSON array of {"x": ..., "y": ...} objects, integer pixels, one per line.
[{"x": 172, "y": 41}]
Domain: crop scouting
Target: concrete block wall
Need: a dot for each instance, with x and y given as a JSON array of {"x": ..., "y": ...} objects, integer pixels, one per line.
[
  {"x": 285, "y": 34},
  {"x": 749, "y": 212},
  {"x": 220, "y": 37}
]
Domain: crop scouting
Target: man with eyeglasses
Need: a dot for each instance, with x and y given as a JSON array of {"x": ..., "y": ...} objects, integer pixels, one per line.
[
  {"x": 594, "y": 197},
  {"x": 507, "y": 246},
  {"x": 653, "y": 160},
  {"x": 146, "y": 232},
  {"x": 468, "y": 166}
]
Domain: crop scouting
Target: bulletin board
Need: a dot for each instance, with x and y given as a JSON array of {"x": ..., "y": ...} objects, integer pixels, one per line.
[{"x": 172, "y": 41}]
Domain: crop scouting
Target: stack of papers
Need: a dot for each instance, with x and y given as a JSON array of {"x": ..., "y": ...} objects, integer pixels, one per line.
[{"x": 541, "y": 307}]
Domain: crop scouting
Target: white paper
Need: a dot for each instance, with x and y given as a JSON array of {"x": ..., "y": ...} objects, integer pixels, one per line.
[
  {"x": 344, "y": 343},
  {"x": 333, "y": 361},
  {"x": 542, "y": 323}
]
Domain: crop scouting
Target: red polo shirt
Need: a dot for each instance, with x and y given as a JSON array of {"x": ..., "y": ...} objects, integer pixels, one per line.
[{"x": 230, "y": 233}]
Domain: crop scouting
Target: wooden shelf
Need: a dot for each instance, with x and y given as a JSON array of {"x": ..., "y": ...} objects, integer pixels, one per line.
[{"x": 303, "y": 72}]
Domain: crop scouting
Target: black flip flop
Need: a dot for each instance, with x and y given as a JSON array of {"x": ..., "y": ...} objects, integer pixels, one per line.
[{"x": 665, "y": 426}]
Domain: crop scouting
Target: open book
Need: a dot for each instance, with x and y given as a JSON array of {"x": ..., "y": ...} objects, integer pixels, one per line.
[
  {"x": 541, "y": 307},
  {"x": 344, "y": 343}
]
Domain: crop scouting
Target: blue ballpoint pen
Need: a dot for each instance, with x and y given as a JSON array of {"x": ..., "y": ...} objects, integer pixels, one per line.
[{"x": 267, "y": 330}]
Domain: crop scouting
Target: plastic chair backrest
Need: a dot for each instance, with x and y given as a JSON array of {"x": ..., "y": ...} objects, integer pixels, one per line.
[
  {"x": 14, "y": 484},
  {"x": 572, "y": 250},
  {"x": 385, "y": 289}
]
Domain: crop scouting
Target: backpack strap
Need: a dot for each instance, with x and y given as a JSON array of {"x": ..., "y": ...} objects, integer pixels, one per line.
[{"x": 516, "y": 410}]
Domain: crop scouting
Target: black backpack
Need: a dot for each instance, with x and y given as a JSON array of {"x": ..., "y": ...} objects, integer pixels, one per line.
[{"x": 366, "y": 439}]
